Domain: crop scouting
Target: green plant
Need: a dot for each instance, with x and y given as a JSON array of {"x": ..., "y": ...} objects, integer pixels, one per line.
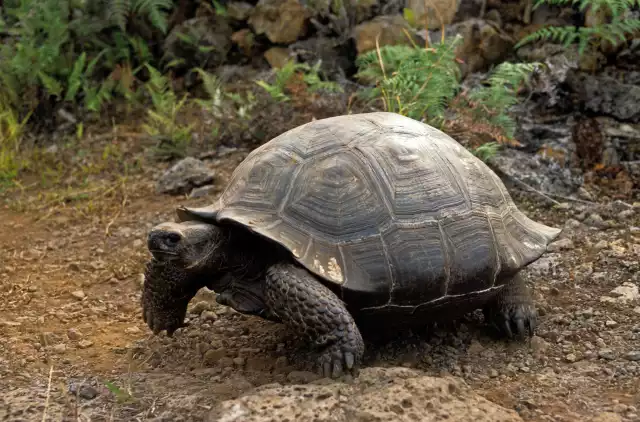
[
  {"x": 486, "y": 151},
  {"x": 172, "y": 138},
  {"x": 416, "y": 82},
  {"x": 617, "y": 30},
  {"x": 222, "y": 104},
  {"x": 309, "y": 75},
  {"x": 492, "y": 103},
  {"x": 120, "y": 11}
]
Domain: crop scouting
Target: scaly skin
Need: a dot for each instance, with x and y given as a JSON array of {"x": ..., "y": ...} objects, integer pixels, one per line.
[
  {"x": 166, "y": 293},
  {"x": 311, "y": 309},
  {"x": 513, "y": 310}
]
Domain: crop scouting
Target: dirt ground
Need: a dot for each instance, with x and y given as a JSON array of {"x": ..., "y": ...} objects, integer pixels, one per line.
[{"x": 73, "y": 345}]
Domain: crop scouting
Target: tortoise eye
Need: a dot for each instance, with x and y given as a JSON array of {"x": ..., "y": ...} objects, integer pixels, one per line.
[{"x": 173, "y": 238}]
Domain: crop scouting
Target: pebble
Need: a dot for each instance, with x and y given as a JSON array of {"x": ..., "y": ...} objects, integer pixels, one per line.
[
  {"x": 59, "y": 348},
  {"x": 633, "y": 356},
  {"x": 132, "y": 330},
  {"x": 623, "y": 215},
  {"x": 212, "y": 356},
  {"x": 203, "y": 191},
  {"x": 627, "y": 292},
  {"x": 84, "y": 344},
  {"x": 78, "y": 294},
  {"x": 606, "y": 354},
  {"x": 208, "y": 316},
  {"x": 595, "y": 220},
  {"x": 571, "y": 357},
  {"x": 603, "y": 244},
  {"x": 74, "y": 334},
  {"x": 200, "y": 307},
  {"x": 87, "y": 392},
  {"x": 559, "y": 245}
]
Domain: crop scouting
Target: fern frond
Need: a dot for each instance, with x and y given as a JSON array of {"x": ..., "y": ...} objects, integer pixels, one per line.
[
  {"x": 155, "y": 10},
  {"x": 118, "y": 12}
]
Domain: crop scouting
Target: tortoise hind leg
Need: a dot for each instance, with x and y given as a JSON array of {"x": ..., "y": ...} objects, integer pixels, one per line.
[
  {"x": 513, "y": 310},
  {"x": 310, "y": 308}
]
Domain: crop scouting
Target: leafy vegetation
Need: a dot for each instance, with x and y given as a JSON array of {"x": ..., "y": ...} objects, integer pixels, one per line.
[
  {"x": 82, "y": 59},
  {"x": 619, "y": 29},
  {"x": 422, "y": 83},
  {"x": 172, "y": 138},
  {"x": 308, "y": 74},
  {"x": 413, "y": 81}
]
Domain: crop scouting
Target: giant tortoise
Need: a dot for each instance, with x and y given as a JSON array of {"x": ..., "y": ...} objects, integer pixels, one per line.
[{"x": 350, "y": 220}]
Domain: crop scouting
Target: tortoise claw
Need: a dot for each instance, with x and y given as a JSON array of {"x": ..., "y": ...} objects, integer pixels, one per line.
[
  {"x": 337, "y": 361},
  {"x": 516, "y": 321}
]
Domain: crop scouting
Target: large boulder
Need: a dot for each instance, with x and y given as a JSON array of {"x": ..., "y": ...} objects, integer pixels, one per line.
[
  {"x": 282, "y": 21},
  {"x": 484, "y": 44},
  {"x": 606, "y": 95},
  {"x": 433, "y": 14},
  {"x": 378, "y": 394},
  {"x": 389, "y": 29}
]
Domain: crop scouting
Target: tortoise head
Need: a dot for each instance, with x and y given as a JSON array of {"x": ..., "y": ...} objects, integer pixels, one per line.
[{"x": 186, "y": 257}]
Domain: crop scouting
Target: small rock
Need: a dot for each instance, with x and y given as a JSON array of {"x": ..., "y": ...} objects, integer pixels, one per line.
[
  {"x": 87, "y": 392},
  {"x": 84, "y": 344},
  {"x": 603, "y": 244},
  {"x": 626, "y": 214},
  {"x": 212, "y": 356},
  {"x": 610, "y": 323},
  {"x": 561, "y": 244},
  {"x": 132, "y": 330},
  {"x": 239, "y": 10},
  {"x": 571, "y": 357},
  {"x": 595, "y": 220},
  {"x": 208, "y": 316},
  {"x": 239, "y": 361},
  {"x": 185, "y": 175},
  {"x": 200, "y": 307},
  {"x": 584, "y": 194},
  {"x": 203, "y": 191},
  {"x": 606, "y": 354},
  {"x": 74, "y": 334},
  {"x": 627, "y": 292},
  {"x": 78, "y": 294},
  {"x": 59, "y": 348},
  {"x": 277, "y": 57},
  {"x": 633, "y": 356}
]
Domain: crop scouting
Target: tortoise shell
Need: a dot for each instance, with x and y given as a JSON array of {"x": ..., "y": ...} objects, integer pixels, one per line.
[{"x": 384, "y": 206}]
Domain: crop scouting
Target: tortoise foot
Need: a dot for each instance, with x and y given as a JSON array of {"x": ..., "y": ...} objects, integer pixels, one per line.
[
  {"x": 513, "y": 312},
  {"x": 314, "y": 311},
  {"x": 341, "y": 358}
]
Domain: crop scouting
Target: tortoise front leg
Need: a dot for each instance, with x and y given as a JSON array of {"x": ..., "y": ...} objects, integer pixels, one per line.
[
  {"x": 513, "y": 309},
  {"x": 311, "y": 309}
]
